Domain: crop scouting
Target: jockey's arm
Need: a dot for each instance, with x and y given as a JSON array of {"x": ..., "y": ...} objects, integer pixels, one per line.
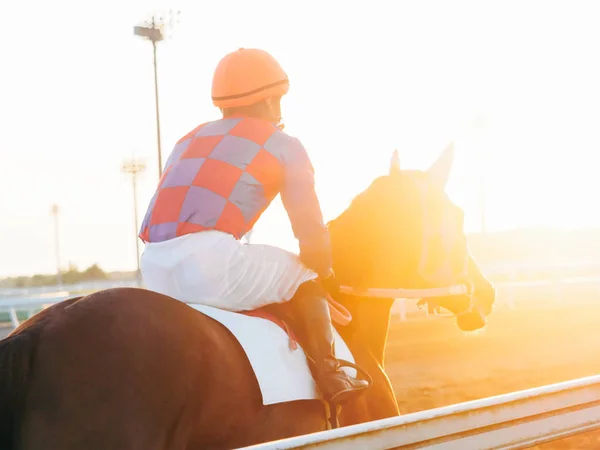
[{"x": 304, "y": 211}]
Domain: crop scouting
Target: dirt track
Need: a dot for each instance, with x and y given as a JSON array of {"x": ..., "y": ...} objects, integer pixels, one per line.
[{"x": 431, "y": 363}]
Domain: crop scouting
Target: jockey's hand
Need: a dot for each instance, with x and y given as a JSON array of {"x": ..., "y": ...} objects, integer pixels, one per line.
[{"x": 330, "y": 283}]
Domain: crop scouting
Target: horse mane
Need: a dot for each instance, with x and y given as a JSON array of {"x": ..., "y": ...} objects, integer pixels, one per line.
[
  {"x": 355, "y": 236},
  {"x": 360, "y": 205},
  {"x": 376, "y": 239}
]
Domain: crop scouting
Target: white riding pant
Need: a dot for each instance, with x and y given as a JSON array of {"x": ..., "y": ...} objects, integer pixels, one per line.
[{"x": 215, "y": 269}]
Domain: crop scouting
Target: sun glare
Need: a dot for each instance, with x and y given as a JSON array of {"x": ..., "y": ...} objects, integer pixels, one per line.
[{"x": 521, "y": 108}]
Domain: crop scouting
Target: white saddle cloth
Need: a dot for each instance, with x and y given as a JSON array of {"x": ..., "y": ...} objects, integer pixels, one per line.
[{"x": 282, "y": 374}]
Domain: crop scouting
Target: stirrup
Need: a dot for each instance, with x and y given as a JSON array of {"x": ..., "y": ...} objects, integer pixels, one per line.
[
  {"x": 344, "y": 363},
  {"x": 351, "y": 393}
]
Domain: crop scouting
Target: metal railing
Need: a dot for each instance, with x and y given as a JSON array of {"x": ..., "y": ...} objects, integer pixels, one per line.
[{"x": 517, "y": 420}]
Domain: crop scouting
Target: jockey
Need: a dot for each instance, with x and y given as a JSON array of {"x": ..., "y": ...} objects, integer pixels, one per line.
[{"x": 218, "y": 180}]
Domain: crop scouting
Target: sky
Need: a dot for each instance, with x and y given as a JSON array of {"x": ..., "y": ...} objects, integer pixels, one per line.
[{"x": 77, "y": 98}]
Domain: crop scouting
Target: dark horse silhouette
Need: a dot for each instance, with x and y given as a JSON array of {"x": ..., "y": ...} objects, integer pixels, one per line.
[{"x": 133, "y": 369}]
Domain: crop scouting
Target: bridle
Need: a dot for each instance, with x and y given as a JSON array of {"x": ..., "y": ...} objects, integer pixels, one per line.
[{"x": 468, "y": 309}]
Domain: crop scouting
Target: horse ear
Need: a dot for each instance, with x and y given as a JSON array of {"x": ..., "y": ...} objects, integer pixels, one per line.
[
  {"x": 395, "y": 163},
  {"x": 439, "y": 171}
]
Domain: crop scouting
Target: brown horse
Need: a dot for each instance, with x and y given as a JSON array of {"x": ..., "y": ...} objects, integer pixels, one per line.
[{"x": 134, "y": 369}]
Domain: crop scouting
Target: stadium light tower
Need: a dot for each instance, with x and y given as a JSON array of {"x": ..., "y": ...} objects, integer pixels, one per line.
[
  {"x": 155, "y": 31},
  {"x": 55, "y": 211},
  {"x": 133, "y": 167}
]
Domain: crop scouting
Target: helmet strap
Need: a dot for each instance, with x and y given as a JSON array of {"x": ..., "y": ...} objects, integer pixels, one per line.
[{"x": 274, "y": 107}]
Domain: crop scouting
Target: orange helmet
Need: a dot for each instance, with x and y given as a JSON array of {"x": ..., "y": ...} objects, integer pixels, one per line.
[{"x": 247, "y": 76}]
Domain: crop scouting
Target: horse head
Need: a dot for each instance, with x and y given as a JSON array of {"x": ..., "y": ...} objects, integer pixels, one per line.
[{"x": 404, "y": 232}]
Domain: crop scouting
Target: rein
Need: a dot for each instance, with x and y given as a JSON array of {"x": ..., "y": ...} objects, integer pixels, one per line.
[
  {"x": 421, "y": 294},
  {"x": 455, "y": 289}
]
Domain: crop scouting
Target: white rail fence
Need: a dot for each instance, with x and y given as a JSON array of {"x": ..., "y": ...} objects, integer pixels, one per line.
[
  {"x": 29, "y": 304},
  {"x": 517, "y": 420},
  {"x": 507, "y": 290},
  {"x": 34, "y": 299}
]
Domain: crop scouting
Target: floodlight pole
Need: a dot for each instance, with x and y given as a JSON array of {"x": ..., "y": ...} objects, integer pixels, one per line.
[
  {"x": 133, "y": 167},
  {"x": 158, "y": 144},
  {"x": 153, "y": 32}
]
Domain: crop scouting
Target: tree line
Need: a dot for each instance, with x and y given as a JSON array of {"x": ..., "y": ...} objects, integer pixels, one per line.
[{"x": 71, "y": 276}]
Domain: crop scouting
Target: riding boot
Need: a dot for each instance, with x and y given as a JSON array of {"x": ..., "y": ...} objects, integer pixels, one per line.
[{"x": 313, "y": 321}]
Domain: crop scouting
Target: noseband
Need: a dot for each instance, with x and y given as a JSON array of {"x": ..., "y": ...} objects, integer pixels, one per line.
[{"x": 468, "y": 309}]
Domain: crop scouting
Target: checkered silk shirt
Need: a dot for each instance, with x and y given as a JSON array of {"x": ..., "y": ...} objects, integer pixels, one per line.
[{"x": 224, "y": 174}]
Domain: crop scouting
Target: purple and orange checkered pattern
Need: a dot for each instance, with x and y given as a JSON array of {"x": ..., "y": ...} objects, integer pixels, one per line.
[{"x": 224, "y": 174}]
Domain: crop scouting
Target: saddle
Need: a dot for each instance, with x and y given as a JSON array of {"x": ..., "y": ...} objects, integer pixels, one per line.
[{"x": 276, "y": 314}]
